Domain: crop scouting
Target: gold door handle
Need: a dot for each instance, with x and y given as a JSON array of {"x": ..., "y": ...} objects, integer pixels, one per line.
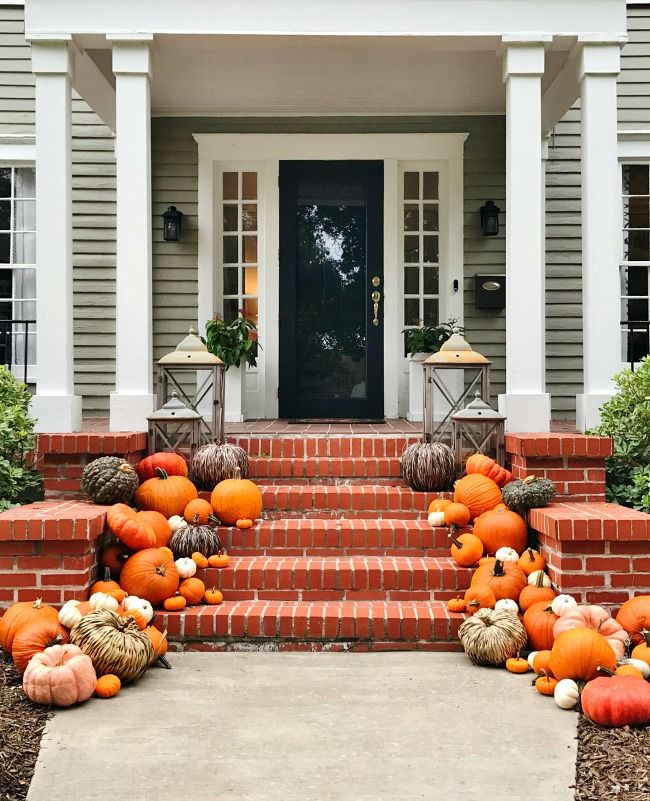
[{"x": 375, "y": 297}]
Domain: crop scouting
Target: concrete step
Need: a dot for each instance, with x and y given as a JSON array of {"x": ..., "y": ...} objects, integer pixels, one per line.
[
  {"x": 337, "y": 537},
  {"x": 339, "y": 625},
  {"x": 333, "y": 445},
  {"x": 331, "y": 578}
]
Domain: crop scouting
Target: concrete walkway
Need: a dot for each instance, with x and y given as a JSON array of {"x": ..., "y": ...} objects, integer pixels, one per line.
[{"x": 313, "y": 727}]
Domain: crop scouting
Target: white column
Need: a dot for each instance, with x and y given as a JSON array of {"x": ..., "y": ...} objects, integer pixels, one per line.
[
  {"x": 55, "y": 405},
  {"x": 526, "y": 404},
  {"x": 133, "y": 398},
  {"x": 601, "y": 229}
]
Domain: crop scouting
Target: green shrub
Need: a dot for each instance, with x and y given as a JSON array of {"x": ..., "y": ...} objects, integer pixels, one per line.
[
  {"x": 626, "y": 418},
  {"x": 19, "y": 481}
]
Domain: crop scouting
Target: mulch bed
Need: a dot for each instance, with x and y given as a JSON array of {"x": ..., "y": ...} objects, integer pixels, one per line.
[
  {"x": 612, "y": 764},
  {"x": 21, "y": 727}
]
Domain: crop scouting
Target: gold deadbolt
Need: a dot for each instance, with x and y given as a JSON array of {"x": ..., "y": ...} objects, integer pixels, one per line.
[{"x": 376, "y": 280}]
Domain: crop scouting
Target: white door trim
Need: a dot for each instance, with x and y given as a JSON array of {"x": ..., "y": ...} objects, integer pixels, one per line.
[{"x": 441, "y": 150}]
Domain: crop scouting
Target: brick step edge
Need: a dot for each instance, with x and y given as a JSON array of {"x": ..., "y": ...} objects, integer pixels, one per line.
[
  {"x": 325, "y": 467},
  {"x": 335, "y": 446},
  {"x": 324, "y": 621}
]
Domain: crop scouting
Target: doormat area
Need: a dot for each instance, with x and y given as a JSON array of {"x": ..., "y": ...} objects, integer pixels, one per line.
[{"x": 332, "y": 421}]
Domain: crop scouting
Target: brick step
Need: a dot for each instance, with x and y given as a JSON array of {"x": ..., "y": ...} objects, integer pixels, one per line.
[
  {"x": 325, "y": 467},
  {"x": 337, "y": 537},
  {"x": 423, "y": 625},
  {"x": 318, "y": 445},
  {"x": 362, "y": 500},
  {"x": 361, "y": 578}
]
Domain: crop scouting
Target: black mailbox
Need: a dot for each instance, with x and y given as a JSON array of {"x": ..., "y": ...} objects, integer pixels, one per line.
[{"x": 490, "y": 292}]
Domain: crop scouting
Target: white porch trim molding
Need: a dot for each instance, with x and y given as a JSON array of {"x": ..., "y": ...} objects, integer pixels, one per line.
[
  {"x": 601, "y": 228},
  {"x": 55, "y": 406},
  {"x": 263, "y": 153}
]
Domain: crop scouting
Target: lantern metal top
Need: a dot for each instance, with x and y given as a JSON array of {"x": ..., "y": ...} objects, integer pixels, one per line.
[
  {"x": 478, "y": 409},
  {"x": 457, "y": 350},
  {"x": 174, "y": 410},
  {"x": 190, "y": 351}
]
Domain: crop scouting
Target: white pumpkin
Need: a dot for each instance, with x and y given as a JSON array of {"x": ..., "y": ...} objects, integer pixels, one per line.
[
  {"x": 142, "y": 605},
  {"x": 507, "y": 604},
  {"x": 102, "y": 600},
  {"x": 176, "y": 522},
  {"x": 562, "y": 603},
  {"x": 566, "y": 694},
  {"x": 639, "y": 664},
  {"x": 186, "y": 567},
  {"x": 507, "y": 555},
  {"x": 436, "y": 519},
  {"x": 536, "y": 575},
  {"x": 531, "y": 658},
  {"x": 69, "y": 615}
]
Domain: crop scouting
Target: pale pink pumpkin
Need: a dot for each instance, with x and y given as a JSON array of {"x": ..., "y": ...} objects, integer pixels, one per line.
[
  {"x": 60, "y": 676},
  {"x": 596, "y": 618}
]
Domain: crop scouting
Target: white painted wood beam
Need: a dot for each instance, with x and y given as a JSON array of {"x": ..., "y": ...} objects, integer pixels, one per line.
[
  {"x": 92, "y": 85},
  {"x": 562, "y": 92}
]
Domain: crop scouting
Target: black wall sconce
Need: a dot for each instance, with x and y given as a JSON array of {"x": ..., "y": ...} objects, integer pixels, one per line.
[
  {"x": 489, "y": 219},
  {"x": 172, "y": 220}
]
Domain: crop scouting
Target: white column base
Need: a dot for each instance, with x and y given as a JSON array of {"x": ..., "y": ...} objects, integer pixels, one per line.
[
  {"x": 234, "y": 395},
  {"x": 526, "y": 412},
  {"x": 129, "y": 412},
  {"x": 59, "y": 414},
  {"x": 588, "y": 410},
  {"x": 416, "y": 387}
]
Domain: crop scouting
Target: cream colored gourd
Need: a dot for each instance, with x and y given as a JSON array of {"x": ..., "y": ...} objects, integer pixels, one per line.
[
  {"x": 639, "y": 664},
  {"x": 101, "y": 601},
  {"x": 176, "y": 522},
  {"x": 436, "y": 519},
  {"x": 531, "y": 658},
  {"x": 143, "y": 606},
  {"x": 536, "y": 575},
  {"x": 186, "y": 567},
  {"x": 566, "y": 694},
  {"x": 508, "y": 604},
  {"x": 562, "y": 603},
  {"x": 507, "y": 555},
  {"x": 69, "y": 615}
]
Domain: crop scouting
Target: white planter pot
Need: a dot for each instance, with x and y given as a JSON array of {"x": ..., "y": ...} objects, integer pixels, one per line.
[
  {"x": 416, "y": 387},
  {"x": 235, "y": 394}
]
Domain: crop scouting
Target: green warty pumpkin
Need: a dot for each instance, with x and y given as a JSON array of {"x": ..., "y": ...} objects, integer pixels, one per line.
[
  {"x": 530, "y": 493},
  {"x": 109, "y": 479}
]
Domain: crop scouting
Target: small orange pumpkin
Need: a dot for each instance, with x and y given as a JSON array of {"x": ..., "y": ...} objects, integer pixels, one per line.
[
  {"x": 531, "y": 560},
  {"x": 198, "y": 512},
  {"x": 542, "y": 662},
  {"x": 213, "y": 597},
  {"x": 175, "y": 603},
  {"x": 545, "y": 685},
  {"x": 107, "y": 686},
  {"x": 244, "y": 522},
  {"x": 192, "y": 589},
  {"x": 479, "y": 596},
  {"x": 199, "y": 560},
  {"x": 466, "y": 549},
  {"x": 456, "y": 605},
  {"x": 456, "y": 514},
  {"x": 517, "y": 664},
  {"x": 109, "y": 587},
  {"x": 439, "y": 505},
  {"x": 219, "y": 559}
]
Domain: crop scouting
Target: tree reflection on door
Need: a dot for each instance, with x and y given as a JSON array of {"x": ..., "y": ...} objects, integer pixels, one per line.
[{"x": 330, "y": 300}]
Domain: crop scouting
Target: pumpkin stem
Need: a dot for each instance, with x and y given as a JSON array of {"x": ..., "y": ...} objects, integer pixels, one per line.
[
  {"x": 214, "y": 519},
  {"x": 456, "y": 542},
  {"x": 162, "y": 474},
  {"x": 540, "y": 580},
  {"x": 530, "y": 479},
  {"x": 531, "y": 556},
  {"x": 38, "y": 603},
  {"x": 499, "y": 569},
  {"x": 605, "y": 670},
  {"x": 645, "y": 633},
  {"x": 237, "y": 474}
]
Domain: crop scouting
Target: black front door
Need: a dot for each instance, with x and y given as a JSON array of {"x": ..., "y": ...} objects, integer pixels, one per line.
[{"x": 331, "y": 289}]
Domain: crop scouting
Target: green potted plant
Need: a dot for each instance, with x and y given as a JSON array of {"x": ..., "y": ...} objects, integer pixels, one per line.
[
  {"x": 236, "y": 345},
  {"x": 420, "y": 343}
]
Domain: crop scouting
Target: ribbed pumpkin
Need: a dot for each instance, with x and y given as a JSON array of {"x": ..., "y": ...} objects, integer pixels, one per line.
[
  {"x": 478, "y": 493},
  {"x": 501, "y": 528},
  {"x": 634, "y": 616},
  {"x": 20, "y": 614},
  {"x": 60, "y": 676},
  {"x": 166, "y": 494},
  {"x": 109, "y": 479},
  {"x": 531, "y": 560},
  {"x": 480, "y": 464},
  {"x": 617, "y": 701},
  {"x": 534, "y": 593},
  {"x": 490, "y": 637},
  {"x": 594, "y": 617},
  {"x": 150, "y": 574},
  {"x": 538, "y": 621},
  {"x": 34, "y": 637},
  {"x": 235, "y": 498},
  {"x": 172, "y": 463},
  {"x": 216, "y": 462},
  {"x": 192, "y": 538},
  {"x": 505, "y": 579},
  {"x": 578, "y": 653},
  {"x": 160, "y": 525},
  {"x": 135, "y": 533}
]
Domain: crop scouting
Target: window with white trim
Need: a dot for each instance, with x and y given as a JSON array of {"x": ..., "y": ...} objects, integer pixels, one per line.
[
  {"x": 635, "y": 265},
  {"x": 18, "y": 268}
]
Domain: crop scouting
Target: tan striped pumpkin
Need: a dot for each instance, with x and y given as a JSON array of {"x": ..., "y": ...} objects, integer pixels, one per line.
[
  {"x": 491, "y": 636},
  {"x": 114, "y": 644}
]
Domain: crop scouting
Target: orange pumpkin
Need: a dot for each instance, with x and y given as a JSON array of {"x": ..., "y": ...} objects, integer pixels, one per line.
[
  {"x": 478, "y": 493},
  {"x": 244, "y": 522},
  {"x": 19, "y": 615},
  {"x": 542, "y": 662},
  {"x": 175, "y": 603},
  {"x": 545, "y": 685},
  {"x": 456, "y": 605},
  {"x": 479, "y": 596},
  {"x": 642, "y": 651},
  {"x": 167, "y": 551},
  {"x": 172, "y": 463},
  {"x": 114, "y": 555},
  {"x": 198, "y": 512},
  {"x": 534, "y": 593},
  {"x": 199, "y": 559},
  {"x": 501, "y": 528},
  {"x": 480, "y": 464},
  {"x": 108, "y": 686},
  {"x": 192, "y": 589},
  {"x": 34, "y": 637},
  {"x": 213, "y": 597},
  {"x": 456, "y": 514},
  {"x": 538, "y": 621},
  {"x": 504, "y": 578},
  {"x": 111, "y": 588},
  {"x": 531, "y": 560},
  {"x": 466, "y": 549},
  {"x": 219, "y": 559},
  {"x": 439, "y": 505},
  {"x": 634, "y": 616},
  {"x": 138, "y": 617},
  {"x": 150, "y": 574},
  {"x": 236, "y": 498},
  {"x": 135, "y": 534},
  {"x": 166, "y": 494},
  {"x": 578, "y": 653},
  {"x": 159, "y": 524}
]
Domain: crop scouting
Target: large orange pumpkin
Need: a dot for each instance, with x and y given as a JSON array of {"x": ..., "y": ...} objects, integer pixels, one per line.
[
  {"x": 483, "y": 465},
  {"x": 123, "y": 521},
  {"x": 501, "y": 528},
  {"x": 578, "y": 653},
  {"x": 159, "y": 524},
  {"x": 114, "y": 555},
  {"x": 19, "y": 615},
  {"x": 505, "y": 579},
  {"x": 478, "y": 493},
  {"x": 534, "y": 593},
  {"x": 166, "y": 494},
  {"x": 634, "y": 616},
  {"x": 34, "y": 637},
  {"x": 236, "y": 498},
  {"x": 150, "y": 574},
  {"x": 538, "y": 621},
  {"x": 172, "y": 463},
  {"x": 594, "y": 617}
]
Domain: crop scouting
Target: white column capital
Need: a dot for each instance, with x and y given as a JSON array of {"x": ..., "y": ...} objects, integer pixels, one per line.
[
  {"x": 52, "y": 56},
  {"x": 522, "y": 57},
  {"x": 599, "y": 58},
  {"x": 132, "y": 56}
]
